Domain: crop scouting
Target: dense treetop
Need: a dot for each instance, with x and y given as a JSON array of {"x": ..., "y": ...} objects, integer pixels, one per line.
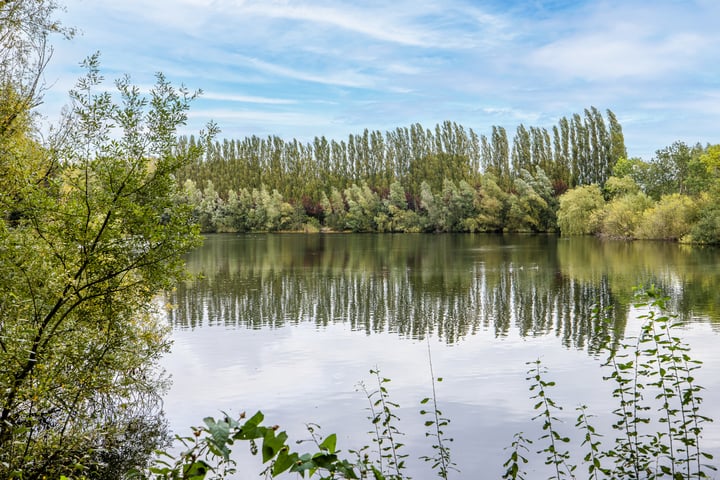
[
  {"x": 574, "y": 178},
  {"x": 579, "y": 150}
]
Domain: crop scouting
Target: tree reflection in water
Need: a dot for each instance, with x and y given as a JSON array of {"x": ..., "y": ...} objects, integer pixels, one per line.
[{"x": 451, "y": 286}]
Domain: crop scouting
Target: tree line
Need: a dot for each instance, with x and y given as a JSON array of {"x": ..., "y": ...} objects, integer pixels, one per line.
[
  {"x": 409, "y": 179},
  {"x": 451, "y": 180}
]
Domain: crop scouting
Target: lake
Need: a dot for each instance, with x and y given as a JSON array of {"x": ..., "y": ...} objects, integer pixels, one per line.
[{"x": 291, "y": 324}]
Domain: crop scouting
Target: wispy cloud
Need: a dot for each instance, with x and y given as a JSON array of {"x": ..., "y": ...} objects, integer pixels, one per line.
[
  {"x": 229, "y": 97},
  {"x": 346, "y": 78},
  {"x": 619, "y": 54},
  {"x": 610, "y": 41},
  {"x": 318, "y": 67},
  {"x": 373, "y": 23},
  {"x": 259, "y": 116}
]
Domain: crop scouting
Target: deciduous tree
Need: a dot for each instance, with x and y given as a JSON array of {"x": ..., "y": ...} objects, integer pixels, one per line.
[
  {"x": 86, "y": 243},
  {"x": 577, "y": 206}
]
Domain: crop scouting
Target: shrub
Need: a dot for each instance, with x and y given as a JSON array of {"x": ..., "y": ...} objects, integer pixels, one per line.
[
  {"x": 669, "y": 219},
  {"x": 577, "y": 206},
  {"x": 620, "y": 217}
]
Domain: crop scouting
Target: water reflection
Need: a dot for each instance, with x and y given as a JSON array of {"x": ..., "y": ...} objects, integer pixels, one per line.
[{"x": 451, "y": 286}]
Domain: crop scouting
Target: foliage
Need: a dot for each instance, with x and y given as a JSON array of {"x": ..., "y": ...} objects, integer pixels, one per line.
[
  {"x": 646, "y": 199},
  {"x": 441, "y": 460},
  {"x": 528, "y": 204},
  {"x": 577, "y": 207},
  {"x": 363, "y": 208},
  {"x": 555, "y": 454},
  {"x": 579, "y": 151},
  {"x": 207, "y": 452},
  {"x": 491, "y": 207},
  {"x": 396, "y": 216},
  {"x": 707, "y": 228},
  {"x": 653, "y": 372},
  {"x": 24, "y": 53},
  {"x": 669, "y": 219},
  {"x": 531, "y": 206},
  {"x": 390, "y": 462},
  {"x": 677, "y": 160},
  {"x": 92, "y": 229},
  {"x": 334, "y": 210},
  {"x": 677, "y": 168},
  {"x": 626, "y": 166},
  {"x": 448, "y": 211},
  {"x": 457, "y": 207},
  {"x": 516, "y": 462},
  {"x": 621, "y": 216},
  {"x": 619, "y": 186}
]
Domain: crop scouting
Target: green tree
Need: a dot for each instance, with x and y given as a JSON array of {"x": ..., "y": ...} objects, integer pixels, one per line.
[
  {"x": 617, "y": 139},
  {"x": 25, "y": 28},
  {"x": 457, "y": 203},
  {"x": 499, "y": 165},
  {"x": 618, "y": 186},
  {"x": 577, "y": 209},
  {"x": 334, "y": 209},
  {"x": 671, "y": 218},
  {"x": 707, "y": 227},
  {"x": 620, "y": 217},
  {"x": 86, "y": 243},
  {"x": 234, "y": 214},
  {"x": 363, "y": 207},
  {"x": 521, "y": 150},
  {"x": 491, "y": 206},
  {"x": 211, "y": 207},
  {"x": 532, "y": 204},
  {"x": 711, "y": 160},
  {"x": 676, "y": 160},
  {"x": 703, "y": 170},
  {"x": 398, "y": 217},
  {"x": 433, "y": 209}
]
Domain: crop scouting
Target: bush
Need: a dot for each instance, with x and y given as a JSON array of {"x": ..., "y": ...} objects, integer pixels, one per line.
[
  {"x": 669, "y": 219},
  {"x": 707, "y": 228},
  {"x": 577, "y": 206},
  {"x": 620, "y": 217}
]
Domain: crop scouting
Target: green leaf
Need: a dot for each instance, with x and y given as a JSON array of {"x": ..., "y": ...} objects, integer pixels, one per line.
[
  {"x": 196, "y": 470},
  {"x": 329, "y": 443},
  {"x": 251, "y": 428},
  {"x": 284, "y": 461},
  {"x": 272, "y": 444},
  {"x": 323, "y": 460}
]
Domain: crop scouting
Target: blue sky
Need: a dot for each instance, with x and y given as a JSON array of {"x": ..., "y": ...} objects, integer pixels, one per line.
[{"x": 300, "y": 69}]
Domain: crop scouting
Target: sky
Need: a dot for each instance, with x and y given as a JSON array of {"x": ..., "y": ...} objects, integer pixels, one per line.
[{"x": 300, "y": 69}]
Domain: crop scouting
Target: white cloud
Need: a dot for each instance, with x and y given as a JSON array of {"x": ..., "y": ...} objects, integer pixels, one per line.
[
  {"x": 507, "y": 113},
  {"x": 609, "y": 41},
  {"x": 259, "y": 116},
  {"x": 347, "y": 78},
  {"x": 373, "y": 23},
  {"x": 617, "y": 54},
  {"x": 229, "y": 97}
]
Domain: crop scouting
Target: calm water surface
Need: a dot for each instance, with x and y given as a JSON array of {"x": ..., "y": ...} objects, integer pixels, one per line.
[{"x": 291, "y": 324}]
